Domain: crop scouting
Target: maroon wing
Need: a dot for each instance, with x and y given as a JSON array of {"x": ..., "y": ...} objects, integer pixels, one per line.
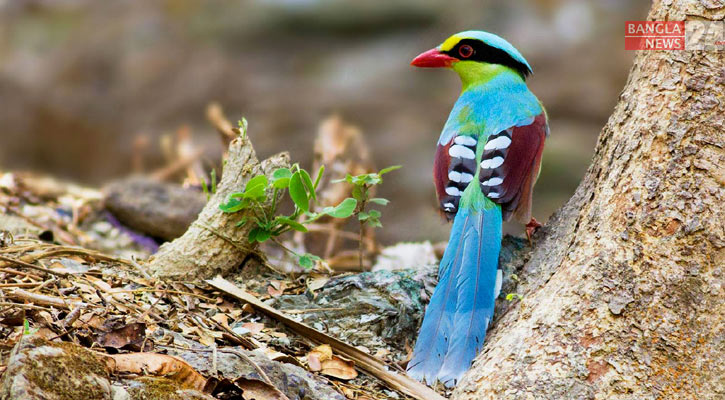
[
  {"x": 510, "y": 165},
  {"x": 453, "y": 169}
]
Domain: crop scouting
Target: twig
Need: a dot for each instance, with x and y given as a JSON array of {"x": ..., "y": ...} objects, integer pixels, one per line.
[
  {"x": 250, "y": 361},
  {"x": 342, "y": 233},
  {"x": 72, "y": 316},
  {"x": 139, "y": 268},
  {"x": 64, "y": 250},
  {"x": 35, "y": 267},
  {"x": 20, "y": 273},
  {"x": 19, "y": 284},
  {"x": 151, "y": 307},
  {"x": 309, "y": 310},
  {"x": 19, "y": 305},
  {"x": 215, "y": 116},
  {"x": 176, "y": 166},
  {"x": 42, "y": 299},
  {"x": 241, "y": 339},
  {"x": 365, "y": 361},
  {"x": 214, "y": 362}
]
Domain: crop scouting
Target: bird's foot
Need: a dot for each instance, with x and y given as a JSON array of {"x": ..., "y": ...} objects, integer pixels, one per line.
[{"x": 531, "y": 228}]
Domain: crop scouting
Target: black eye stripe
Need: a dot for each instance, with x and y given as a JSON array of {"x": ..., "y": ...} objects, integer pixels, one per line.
[{"x": 488, "y": 54}]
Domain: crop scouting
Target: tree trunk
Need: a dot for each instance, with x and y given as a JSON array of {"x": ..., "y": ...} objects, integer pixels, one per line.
[{"x": 623, "y": 294}]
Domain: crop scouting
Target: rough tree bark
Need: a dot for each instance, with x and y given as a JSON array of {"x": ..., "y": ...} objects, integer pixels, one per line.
[
  {"x": 623, "y": 294},
  {"x": 214, "y": 244}
]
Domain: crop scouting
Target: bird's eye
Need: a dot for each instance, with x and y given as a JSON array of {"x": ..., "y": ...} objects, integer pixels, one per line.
[{"x": 465, "y": 51}]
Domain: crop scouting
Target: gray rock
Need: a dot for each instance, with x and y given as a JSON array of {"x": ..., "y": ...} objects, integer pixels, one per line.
[
  {"x": 39, "y": 369},
  {"x": 43, "y": 370},
  {"x": 158, "y": 209}
]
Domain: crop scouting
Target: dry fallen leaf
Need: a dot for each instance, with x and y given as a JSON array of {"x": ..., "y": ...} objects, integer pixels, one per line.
[
  {"x": 349, "y": 393},
  {"x": 253, "y": 389},
  {"x": 89, "y": 319},
  {"x": 253, "y": 327},
  {"x": 155, "y": 364},
  {"x": 382, "y": 353},
  {"x": 317, "y": 282},
  {"x": 131, "y": 336},
  {"x": 222, "y": 319},
  {"x": 338, "y": 367},
  {"x": 248, "y": 308},
  {"x": 276, "y": 288},
  {"x": 317, "y": 356},
  {"x": 206, "y": 339}
]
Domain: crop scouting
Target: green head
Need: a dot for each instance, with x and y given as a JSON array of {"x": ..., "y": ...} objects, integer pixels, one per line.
[{"x": 476, "y": 56}]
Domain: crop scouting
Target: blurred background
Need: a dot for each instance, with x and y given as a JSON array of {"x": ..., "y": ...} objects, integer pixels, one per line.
[{"x": 85, "y": 84}]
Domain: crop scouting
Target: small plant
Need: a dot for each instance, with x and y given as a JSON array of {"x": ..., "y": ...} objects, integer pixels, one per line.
[
  {"x": 242, "y": 127},
  {"x": 513, "y": 296},
  {"x": 361, "y": 185},
  {"x": 26, "y": 328},
  {"x": 205, "y": 187},
  {"x": 302, "y": 189},
  {"x": 298, "y": 183}
]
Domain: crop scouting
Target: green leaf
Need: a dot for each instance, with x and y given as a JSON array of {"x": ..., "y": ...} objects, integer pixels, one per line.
[
  {"x": 374, "y": 213},
  {"x": 282, "y": 173},
  {"x": 348, "y": 178},
  {"x": 233, "y": 205},
  {"x": 259, "y": 180},
  {"x": 308, "y": 183},
  {"x": 263, "y": 235},
  {"x": 292, "y": 224},
  {"x": 281, "y": 183},
  {"x": 380, "y": 200},
  {"x": 374, "y": 222},
  {"x": 253, "y": 235},
  {"x": 319, "y": 176},
  {"x": 342, "y": 210},
  {"x": 298, "y": 193},
  {"x": 363, "y": 216},
  {"x": 357, "y": 193},
  {"x": 389, "y": 169},
  {"x": 256, "y": 193},
  {"x": 308, "y": 260},
  {"x": 26, "y": 327},
  {"x": 281, "y": 178}
]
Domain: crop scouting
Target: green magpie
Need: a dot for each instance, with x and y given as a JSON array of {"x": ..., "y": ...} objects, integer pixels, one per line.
[{"x": 485, "y": 167}]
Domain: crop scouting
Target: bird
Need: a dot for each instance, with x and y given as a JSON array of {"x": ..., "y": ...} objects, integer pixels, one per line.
[{"x": 487, "y": 159}]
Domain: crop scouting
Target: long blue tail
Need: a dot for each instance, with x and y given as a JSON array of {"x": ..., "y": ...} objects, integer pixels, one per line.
[{"x": 461, "y": 308}]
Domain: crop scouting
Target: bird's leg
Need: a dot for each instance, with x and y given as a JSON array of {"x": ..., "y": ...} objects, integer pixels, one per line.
[{"x": 531, "y": 228}]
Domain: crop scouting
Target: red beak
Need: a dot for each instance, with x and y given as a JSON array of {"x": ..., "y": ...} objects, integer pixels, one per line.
[{"x": 433, "y": 59}]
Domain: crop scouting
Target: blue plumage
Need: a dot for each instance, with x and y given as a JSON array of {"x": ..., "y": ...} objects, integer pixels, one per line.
[
  {"x": 476, "y": 286},
  {"x": 462, "y": 305},
  {"x": 431, "y": 346}
]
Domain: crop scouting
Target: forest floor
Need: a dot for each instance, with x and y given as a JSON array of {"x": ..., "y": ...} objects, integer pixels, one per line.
[{"x": 79, "y": 310}]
